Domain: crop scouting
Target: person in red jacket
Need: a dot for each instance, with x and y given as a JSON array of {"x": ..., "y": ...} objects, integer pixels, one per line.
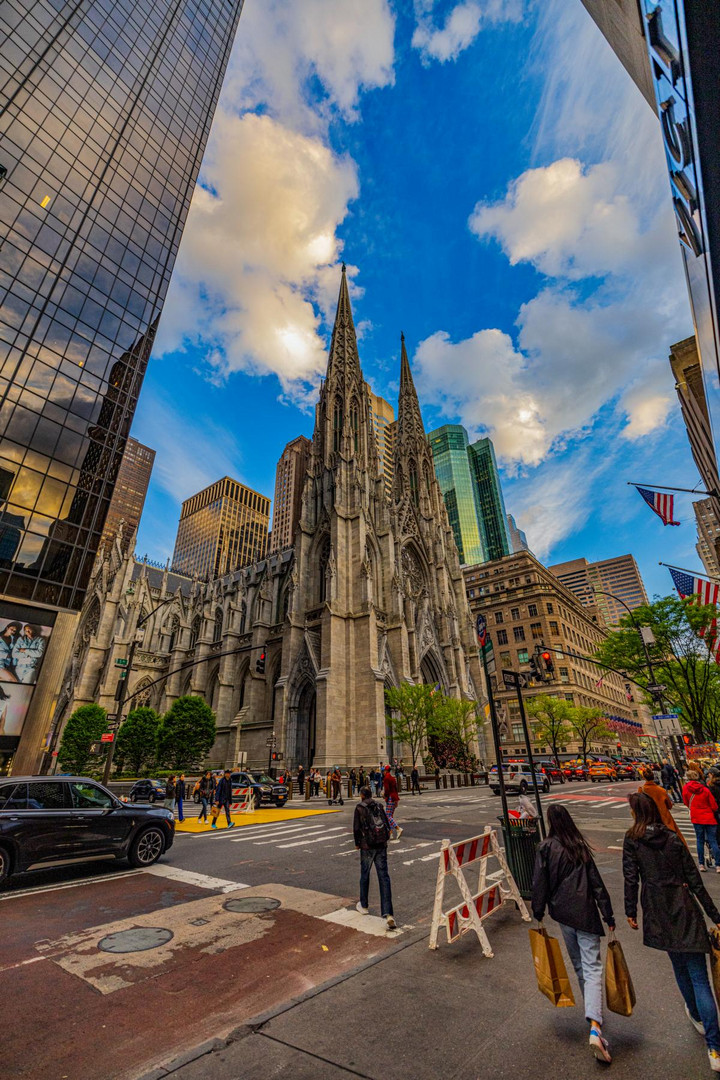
[
  {"x": 701, "y": 803},
  {"x": 392, "y": 798}
]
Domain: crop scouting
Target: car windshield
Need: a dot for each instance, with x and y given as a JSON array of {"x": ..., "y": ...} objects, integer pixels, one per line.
[{"x": 263, "y": 778}]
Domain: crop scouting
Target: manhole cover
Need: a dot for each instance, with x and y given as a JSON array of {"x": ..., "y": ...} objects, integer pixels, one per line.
[
  {"x": 139, "y": 939},
  {"x": 252, "y": 904}
]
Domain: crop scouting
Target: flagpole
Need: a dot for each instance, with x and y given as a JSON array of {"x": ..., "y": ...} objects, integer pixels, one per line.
[
  {"x": 684, "y": 570},
  {"x": 654, "y": 487}
]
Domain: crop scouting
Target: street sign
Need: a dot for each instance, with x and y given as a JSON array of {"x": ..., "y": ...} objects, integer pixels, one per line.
[
  {"x": 666, "y": 716},
  {"x": 121, "y": 663},
  {"x": 514, "y": 678},
  {"x": 656, "y": 688},
  {"x": 271, "y": 740},
  {"x": 107, "y": 737},
  {"x": 481, "y": 629}
]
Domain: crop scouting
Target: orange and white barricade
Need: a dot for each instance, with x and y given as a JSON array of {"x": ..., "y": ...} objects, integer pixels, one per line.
[
  {"x": 492, "y": 892},
  {"x": 245, "y": 803}
]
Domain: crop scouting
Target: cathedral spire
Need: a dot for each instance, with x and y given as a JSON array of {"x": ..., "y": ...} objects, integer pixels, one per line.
[
  {"x": 343, "y": 362},
  {"x": 410, "y": 425}
]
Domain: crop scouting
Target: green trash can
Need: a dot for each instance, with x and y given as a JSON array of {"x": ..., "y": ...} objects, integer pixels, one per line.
[{"x": 521, "y": 842}]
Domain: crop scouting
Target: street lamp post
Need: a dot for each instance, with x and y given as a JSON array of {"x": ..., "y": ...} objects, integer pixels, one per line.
[{"x": 137, "y": 640}]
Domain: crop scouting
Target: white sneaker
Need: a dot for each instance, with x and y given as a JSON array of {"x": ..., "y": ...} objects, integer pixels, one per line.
[
  {"x": 391, "y": 924},
  {"x": 399, "y": 833},
  {"x": 714, "y": 1059},
  {"x": 702, "y": 869},
  {"x": 599, "y": 1046},
  {"x": 361, "y": 909},
  {"x": 697, "y": 1024}
]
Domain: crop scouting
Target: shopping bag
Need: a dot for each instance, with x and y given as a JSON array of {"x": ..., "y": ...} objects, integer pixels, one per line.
[
  {"x": 715, "y": 960},
  {"x": 619, "y": 989},
  {"x": 550, "y": 972},
  {"x": 215, "y": 812}
]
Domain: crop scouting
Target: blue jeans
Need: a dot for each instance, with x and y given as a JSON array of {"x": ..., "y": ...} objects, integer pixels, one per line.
[
  {"x": 707, "y": 834},
  {"x": 692, "y": 977},
  {"x": 584, "y": 951},
  {"x": 379, "y": 857},
  {"x": 180, "y": 810},
  {"x": 203, "y": 808}
]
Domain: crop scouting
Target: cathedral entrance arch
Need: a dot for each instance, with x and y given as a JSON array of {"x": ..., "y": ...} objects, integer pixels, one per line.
[
  {"x": 431, "y": 671},
  {"x": 301, "y": 750}
]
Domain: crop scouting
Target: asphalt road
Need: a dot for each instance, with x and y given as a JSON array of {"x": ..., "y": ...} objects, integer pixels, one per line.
[{"x": 294, "y": 934}]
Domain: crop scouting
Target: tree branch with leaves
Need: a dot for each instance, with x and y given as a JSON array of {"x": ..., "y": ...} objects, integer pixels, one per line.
[{"x": 551, "y": 716}]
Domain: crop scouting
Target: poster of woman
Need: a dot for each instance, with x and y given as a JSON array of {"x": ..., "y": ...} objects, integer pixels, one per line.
[
  {"x": 14, "y": 702},
  {"x": 22, "y": 647}
]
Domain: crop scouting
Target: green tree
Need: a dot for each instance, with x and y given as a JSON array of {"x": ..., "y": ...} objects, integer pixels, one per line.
[
  {"x": 587, "y": 724},
  {"x": 186, "y": 733},
  {"x": 455, "y": 725},
  {"x": 551, "y": 716},
  {"x": 412, "y": 715},
  {"x": 681, "y": 657},
  {"x": 84, "y": 727},
  {"x": 137, "y": 739}
]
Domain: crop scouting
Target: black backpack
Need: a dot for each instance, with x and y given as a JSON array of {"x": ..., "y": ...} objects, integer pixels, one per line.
[{"x": 377, "y": 829}]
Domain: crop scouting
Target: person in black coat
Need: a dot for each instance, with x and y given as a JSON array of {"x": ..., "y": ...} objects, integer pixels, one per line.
[
  {"x": 223, "y": 798},
  {"x": 671, "y": 890},
  {"x": 567, "y": 882}
]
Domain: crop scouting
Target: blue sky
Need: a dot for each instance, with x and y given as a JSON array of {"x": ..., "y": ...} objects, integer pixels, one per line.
[{"x": 496, "y": 185}]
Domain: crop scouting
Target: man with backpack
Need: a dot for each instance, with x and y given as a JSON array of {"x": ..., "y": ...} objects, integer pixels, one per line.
[{"x": 371, "y": 830}]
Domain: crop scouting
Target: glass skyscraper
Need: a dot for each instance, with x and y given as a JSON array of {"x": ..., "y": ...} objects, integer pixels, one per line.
[
  {"x": 106, "y": 110},
  {"x": 468, "y": 478},
  {"x": 106, "y": 113}
]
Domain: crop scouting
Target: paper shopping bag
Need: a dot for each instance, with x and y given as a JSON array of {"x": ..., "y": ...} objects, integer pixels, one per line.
[
  {"x": 715, "y": 961},
  {"x": 619, "y": 989},
  {"x": 550, "y": 972},
  {"x": 215, "y": 812}
]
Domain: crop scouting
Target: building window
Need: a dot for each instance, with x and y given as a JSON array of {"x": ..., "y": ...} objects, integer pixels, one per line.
[
  {"x": 519, "y": 633},
  {"x": 413, "y": 482},
  {"x": 564, "y": 675},
  {"x": 522, "y": 656},
  {"x": 218, "y": 626},
  {"x": 505, "y": 659},
  {"x": 337, "y": 424},
  {"x": 515, "y": 613},
  {"x": 502, "y": 637},
  {"x": 549, "y": 609},
  {"x": 517, "y": 733},
  {"x": 498, "y": 617},
  {"x": 568, "y": 697},
  {"x": 354, "y": 424},
  {"x": 195, "y": 631},
  {"x": 536, "y": 629},
  {"x": 554, "y": 629},
  {"x": 532, "y": 610}
]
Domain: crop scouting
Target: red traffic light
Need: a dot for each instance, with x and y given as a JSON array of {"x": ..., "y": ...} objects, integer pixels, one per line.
[
  {"x": 686, "y": 740},
  {"x": 546, "y": 656}
]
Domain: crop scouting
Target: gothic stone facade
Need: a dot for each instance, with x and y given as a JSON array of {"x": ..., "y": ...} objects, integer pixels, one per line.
[{"x": 370, "y": 594}]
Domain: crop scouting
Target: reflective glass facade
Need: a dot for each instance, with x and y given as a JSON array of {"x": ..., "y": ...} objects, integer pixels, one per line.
[
  {"x": 449, "y": 446},
  {"x": 222, "y": 528},
  {"x": 107, "y": 106},
  {"x": 489, "y": 498}
]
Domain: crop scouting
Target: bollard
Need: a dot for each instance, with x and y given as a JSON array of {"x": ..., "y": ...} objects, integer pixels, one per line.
[
  {"x": 308, "y": 789},
  {"x": 290, "y": 789},
  {"x": 437, "y": 782},
  {"x": 472, "y": 779},
  {"x": 407, "y": 783},
  {"x": 444, "y": 780},
  {"x": 349, "y": 788},
  {"x": 452, "y": 780},
  {"x": 467, "y": 781}
]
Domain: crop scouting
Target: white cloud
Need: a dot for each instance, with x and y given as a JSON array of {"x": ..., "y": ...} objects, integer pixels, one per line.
[
  {"x": 460, "y": 28},
  {"x": 257, "y": 271}
]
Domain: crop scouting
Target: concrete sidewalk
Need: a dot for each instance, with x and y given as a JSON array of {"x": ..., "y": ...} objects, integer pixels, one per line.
[{"x": 413, "y": 1013}]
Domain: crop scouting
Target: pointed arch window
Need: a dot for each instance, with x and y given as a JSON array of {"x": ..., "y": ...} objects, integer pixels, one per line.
[
  {"x": 195, "y": 631},
  {"x": 413, "y": 482},
  {"x": 355, "y": 423},
  {"x": 322, "y": 569},
  {"x": 173, "y": 631},
  {"x": 218, "y": 625},
  {"x": 337, "y": 424}
]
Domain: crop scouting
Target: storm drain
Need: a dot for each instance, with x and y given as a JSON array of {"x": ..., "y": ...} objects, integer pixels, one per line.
[
  {"x": 139, "y": 939},
  {"x": 251, "y": 905}
]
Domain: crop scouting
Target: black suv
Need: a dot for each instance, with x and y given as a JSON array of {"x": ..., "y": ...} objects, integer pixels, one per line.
[
  {"x": 147, "y": 791},
  {"x": 265, "y": 789},
  {"x": 48, "y": 821}
]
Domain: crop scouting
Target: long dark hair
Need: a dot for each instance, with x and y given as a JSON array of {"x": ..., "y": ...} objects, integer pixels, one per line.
[
  {"x": 644, "y": 812},
  {"x": 564, "y": 829}
]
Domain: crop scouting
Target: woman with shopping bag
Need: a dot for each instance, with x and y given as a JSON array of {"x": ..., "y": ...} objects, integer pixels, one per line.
[
  {"x": 567, "y": 882},
  {"x": 671, "y": 887}
]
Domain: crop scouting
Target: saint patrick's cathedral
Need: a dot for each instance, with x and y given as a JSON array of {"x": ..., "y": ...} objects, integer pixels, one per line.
[{"x": 302, "y": 644}]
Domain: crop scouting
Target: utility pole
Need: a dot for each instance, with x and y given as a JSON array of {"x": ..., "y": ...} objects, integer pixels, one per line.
[
  {"x": 514, "y": 678},
  {"x": 481, "y": 627}
]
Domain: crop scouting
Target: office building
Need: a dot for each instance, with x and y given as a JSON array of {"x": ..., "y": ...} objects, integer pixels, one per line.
[
  {"x": 518, "y": 539},
  {"x": 131, "y": 486},
  {"x": 686, "y": 369},
  {"x": 676, "y": 71},
  {"x": 382, "y": 419},
  {"x": 591, "y": 582},
  {"x": 289, "y": 484},
  {"x": 222, "y": 528},
  {"x": 449, "y": 446},
  {"x": 107, "y": 110},
  {"x": 525, "y": 605},
  {"x": 489, "y": 497},
  {"x": 469, "y": 480},
  {"x": 708, "y": 530}
]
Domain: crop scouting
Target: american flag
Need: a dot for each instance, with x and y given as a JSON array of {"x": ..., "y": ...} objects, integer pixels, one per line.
[
  {"x": 661, "y": 503},
  {"x": 689, "y": 585}
]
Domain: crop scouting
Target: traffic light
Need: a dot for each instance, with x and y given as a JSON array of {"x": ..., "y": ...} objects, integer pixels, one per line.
[
  {"x": 535, "y": 670},
  {"x": 548, "y": 666},
  {"x": 619, "y": 746},
  {"x": 260, "y": 663}
]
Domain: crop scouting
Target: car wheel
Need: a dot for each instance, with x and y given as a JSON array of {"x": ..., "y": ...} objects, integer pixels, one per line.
[
  {"x": 546, "y": 786},
  {"x": 562, "y": 778},
  {"x": 496, "y": 791},
  {"x": 280, "y": 803},
  {"x": 133, "y": 798},
  {"x": 147, "y": 847},
  {"x": 151, "y": 797},
  {"x": 257, "y": 799},
  {"x": 5, "y": 866},
  {"x": 523, "y": 788}
]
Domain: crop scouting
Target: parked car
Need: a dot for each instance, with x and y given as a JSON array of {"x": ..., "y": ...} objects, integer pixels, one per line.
[
  {"x": 602, "y": 770},
  {"x": 48, "y": 821},
  {"x": 517, "y": 777},
  {"x": 265, "y": 789},
  {"x": 147, "y": 791}
]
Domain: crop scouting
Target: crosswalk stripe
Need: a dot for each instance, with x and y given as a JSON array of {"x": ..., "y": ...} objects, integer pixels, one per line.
[
  {"x": 317, "y": 840},
  {"x": 287, "y": 834}
]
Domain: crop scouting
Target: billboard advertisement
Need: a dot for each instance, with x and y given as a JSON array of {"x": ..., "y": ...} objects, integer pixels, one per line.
[{"x": 24, "y": 636}]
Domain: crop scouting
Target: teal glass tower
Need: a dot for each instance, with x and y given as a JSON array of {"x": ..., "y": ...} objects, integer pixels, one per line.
[{"x": 468, "y": 478}]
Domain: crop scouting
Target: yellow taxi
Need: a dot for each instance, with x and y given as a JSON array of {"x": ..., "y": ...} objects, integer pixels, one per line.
[{"x": 601, "y": 770}]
